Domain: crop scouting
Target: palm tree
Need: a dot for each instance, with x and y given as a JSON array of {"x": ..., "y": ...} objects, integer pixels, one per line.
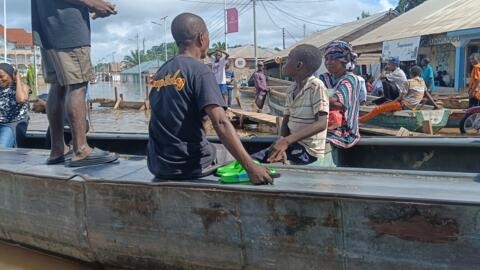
[
  {"x": 219, "y": 46},
  {"x": 132, "y": 59},
  {"x": 405, "y": 5}
]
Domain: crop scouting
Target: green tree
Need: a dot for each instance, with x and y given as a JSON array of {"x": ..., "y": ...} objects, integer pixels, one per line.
[
  {"x": 31, "y": 79},
  {"x": 219, "y": 46},
  {"x": 405, "y": 5},
  {"x": 132, "y": 59},
  {"x": 364, "y": 14}
]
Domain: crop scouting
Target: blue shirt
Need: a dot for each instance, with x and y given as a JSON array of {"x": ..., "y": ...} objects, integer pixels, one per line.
[{"x": 427, "y": 75}]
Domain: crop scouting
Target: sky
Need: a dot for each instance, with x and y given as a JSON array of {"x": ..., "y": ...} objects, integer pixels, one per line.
[{"x": 115, "y": 36}]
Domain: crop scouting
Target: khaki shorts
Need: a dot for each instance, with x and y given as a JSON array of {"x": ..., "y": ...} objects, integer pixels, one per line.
[{"x": 67, "y": 66}]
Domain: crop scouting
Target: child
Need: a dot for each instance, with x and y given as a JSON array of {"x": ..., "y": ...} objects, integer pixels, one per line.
[{"x": 304, "y": 126}]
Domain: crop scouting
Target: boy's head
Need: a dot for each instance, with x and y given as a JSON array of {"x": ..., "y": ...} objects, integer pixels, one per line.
[
  {"x": 304, "y": 58},
  {"x": 415, "y": 71},
  {"x": 189, "y": 30}
]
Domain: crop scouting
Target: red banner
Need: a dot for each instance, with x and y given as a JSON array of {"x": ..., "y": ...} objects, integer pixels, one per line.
[{"x": 232, "y": 20}]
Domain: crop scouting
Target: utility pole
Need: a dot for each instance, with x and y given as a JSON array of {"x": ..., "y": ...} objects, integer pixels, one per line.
[
  {"x": 139, "y": 66},
  {"x": 304, "y": 31},
  {"x": 5, "y": 30},
  {"x": 225, "y": 23},
  {"x": 165, "y": 34},
  {"x": 283, "y": 37},
  {"x": 255, "y": 35}
]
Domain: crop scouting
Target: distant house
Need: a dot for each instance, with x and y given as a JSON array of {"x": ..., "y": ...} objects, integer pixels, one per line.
[
  {"x": 243, "y": 59},
  {"x": 132, "y": 74},
  {"x": 346, "y": 32},
  {"x": 446, "y": 31},
  {"x": 20, "y": 49}
]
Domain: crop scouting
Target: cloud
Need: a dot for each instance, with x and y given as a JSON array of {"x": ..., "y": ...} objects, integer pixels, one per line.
[{"x": 115, "y": 36}]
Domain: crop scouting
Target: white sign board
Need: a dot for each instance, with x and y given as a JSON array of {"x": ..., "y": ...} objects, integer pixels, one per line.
[{"x": 406, "y": 49}]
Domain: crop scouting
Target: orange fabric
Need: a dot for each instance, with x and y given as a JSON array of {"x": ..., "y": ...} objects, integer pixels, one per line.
[
  {"x": 391, "y": 106},
  {"x": 474, "y": 76},
  {"x": 335, "y": 119}
]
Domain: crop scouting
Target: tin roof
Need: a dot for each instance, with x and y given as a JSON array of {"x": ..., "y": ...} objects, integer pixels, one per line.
[
  {"x": 431, "y": 17},
  {"x": 325, "y": 36},
  {"x": 18, "y": 36},
  {"x": 247, "y": 52},
  {"x": 151, "y": 65}
]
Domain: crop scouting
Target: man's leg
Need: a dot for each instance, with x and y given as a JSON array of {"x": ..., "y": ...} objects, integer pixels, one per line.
[
  {"x": 391, "y": 106},
  {"x": 76, "y": 112},
  {"x": 55, "y": 112},
  {"x": 229, "y": 97}
]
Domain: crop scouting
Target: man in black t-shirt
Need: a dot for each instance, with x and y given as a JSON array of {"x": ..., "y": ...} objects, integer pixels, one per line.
[{"x": 183, "y": 93}]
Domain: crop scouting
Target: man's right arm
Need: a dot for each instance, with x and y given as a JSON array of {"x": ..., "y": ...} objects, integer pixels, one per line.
[
  {"x": 99, "y": 7},
  {"x": 229, "y": 138}
]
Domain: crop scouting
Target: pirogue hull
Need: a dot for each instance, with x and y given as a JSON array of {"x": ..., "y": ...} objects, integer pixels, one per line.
[
  {"x": 116, "y": 216},
  {"x": 412, "y": 120},
  {"x": 405, "y": 153}
]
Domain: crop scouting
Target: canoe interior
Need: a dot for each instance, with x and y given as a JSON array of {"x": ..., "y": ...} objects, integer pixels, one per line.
[{"x": 406, "y": 153}]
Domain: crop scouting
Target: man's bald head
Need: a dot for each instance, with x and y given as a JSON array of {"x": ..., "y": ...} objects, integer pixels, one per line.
[{"x": 186, "y": 27}]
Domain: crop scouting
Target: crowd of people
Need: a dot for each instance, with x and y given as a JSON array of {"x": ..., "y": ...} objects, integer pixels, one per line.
[{"x": 321, "y": 116}]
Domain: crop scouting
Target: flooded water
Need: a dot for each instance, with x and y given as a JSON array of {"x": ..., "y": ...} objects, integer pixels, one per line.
[
  {"x": 17, "y": 258},
  {"x": 104, "y": 119}
]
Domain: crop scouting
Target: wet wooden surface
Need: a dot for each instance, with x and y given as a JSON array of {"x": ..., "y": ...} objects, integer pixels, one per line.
[{"x": 401, "y": 184}]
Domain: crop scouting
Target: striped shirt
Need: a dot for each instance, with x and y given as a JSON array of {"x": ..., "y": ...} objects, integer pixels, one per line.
[
  {"x": 415, "y": 90},
  {"x": 310, "y": 100},
  {"x": 347, "y": 92}
]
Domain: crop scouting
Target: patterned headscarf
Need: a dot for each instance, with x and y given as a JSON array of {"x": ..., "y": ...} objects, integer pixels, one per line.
[
  {"x": 8, "y": 69},
  {"x": 342, "y": 51}
]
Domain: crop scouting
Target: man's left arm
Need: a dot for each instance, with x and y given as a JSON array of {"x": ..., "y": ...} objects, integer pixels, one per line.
[
  {"x": 278, "y": 149},
  {"x": 226, "y": 54}
]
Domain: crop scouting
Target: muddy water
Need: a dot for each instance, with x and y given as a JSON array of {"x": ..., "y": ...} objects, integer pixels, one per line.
[
  {"x": 133, "y": 121},
  {"x": 17, "y": 258}
]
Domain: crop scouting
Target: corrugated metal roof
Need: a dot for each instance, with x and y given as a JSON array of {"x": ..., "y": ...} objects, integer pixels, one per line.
[
  {"x": 247, "y": 52},
  {"x": 323, "y": 37},
  {"x": 431, "y": 17},
  {"x": 145, "y": 66}
]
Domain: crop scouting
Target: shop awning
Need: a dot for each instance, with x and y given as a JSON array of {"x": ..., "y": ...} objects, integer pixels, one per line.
[{"x": 369, "y": 58}]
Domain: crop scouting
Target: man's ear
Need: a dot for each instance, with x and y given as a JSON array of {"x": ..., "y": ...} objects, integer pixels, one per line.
[
  {"x": 202, "y": 39},
  {"x": 299, "y": 65}
]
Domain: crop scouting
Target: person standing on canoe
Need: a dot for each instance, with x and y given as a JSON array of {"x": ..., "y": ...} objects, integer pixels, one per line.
[
  {"x": 62, "y": 30},
  {"x": 415, "y": 91},
  {"x": 304, "y": 127},
  {"x": 261, "y": 90},
  {"x": 183, "y": 94},
  {"x": 340, "y": 61}
]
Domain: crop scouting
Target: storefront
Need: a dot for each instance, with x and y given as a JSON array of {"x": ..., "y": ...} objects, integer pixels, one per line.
[
  {"x": 441, "y": 52},
  {"x": 465, "y": 43}
]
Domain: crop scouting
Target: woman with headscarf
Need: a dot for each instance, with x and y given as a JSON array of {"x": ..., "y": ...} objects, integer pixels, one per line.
[
  {"x": 344, "y": 87},
  {"x": 13, "y": 107}
]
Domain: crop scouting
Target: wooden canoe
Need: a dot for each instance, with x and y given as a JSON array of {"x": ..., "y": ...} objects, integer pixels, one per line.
[
  {"x": 411, "y": 153},
  {"x": 115, "y": 216},
  {"x": 412, "y": 120}
]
